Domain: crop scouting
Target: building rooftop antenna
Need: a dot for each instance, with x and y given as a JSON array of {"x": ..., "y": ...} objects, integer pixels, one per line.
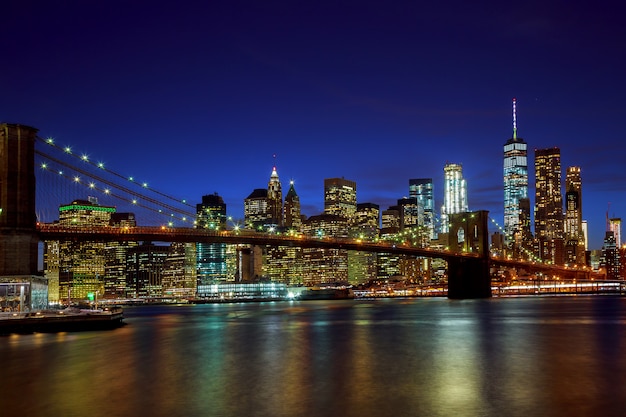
[{"x": 514, "y": 119}]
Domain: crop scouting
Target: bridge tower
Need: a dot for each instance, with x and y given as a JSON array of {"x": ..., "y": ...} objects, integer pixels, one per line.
[
  {"x": 18, "y": 234},
  {"x": 469, "y": 277}
]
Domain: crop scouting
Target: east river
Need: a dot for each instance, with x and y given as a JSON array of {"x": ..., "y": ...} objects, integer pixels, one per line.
[{"x": 544, "y": 356}]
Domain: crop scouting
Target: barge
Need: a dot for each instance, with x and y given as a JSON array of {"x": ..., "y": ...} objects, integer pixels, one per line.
[{"x": 68, "y": 320}]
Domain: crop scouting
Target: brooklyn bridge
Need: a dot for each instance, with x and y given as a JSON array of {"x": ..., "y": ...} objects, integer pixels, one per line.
[{"x": 467, "y": 255}]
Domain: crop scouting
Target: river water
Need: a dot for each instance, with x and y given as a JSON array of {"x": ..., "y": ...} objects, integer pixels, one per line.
[{"x": 544, "y": 356}]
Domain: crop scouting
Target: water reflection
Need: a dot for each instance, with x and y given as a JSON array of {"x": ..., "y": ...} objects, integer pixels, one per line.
[{"x": 432, "y": 357}]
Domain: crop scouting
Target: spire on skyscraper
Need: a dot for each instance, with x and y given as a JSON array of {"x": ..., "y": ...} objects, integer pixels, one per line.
[{"x": 514, "y": 119}]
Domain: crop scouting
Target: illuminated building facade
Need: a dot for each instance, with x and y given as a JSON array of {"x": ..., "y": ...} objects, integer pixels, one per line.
[
  {"x": 366, "y": 226},
  {"x": 274, "y": 200},
  {"x": 340, "y": 197},
  {"x": 409, "y": 213},
  {"x": 423, "y": 190},
  {"x": 144, "y": 268},
  {"x": 324, "y": 266},
  {"x": 293, "y": 215},
  {"x": 75, "y": 269},
  {"x": 549, "y": 230},
  {"x": 255, "y": 209},
  {"x": 366, "y": 221},
  {"x": 115, "y": 285},
  {"x": 515, "y": 183},
  {"x": 615, "y": 226},
  {"x": 179, "y": 277},
  {"x": 610, "y": 260},
  {"x": 574, "y": 236},
  {"x": 454, "y": 194},
  {"x": 211, "y": 257}
]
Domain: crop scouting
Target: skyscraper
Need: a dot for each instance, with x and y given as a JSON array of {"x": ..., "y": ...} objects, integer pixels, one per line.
[
  {"x": 615, "y": 226},
  {"x": 274, "y": 200},
  {"x": 210, "y": 257},
  {"x": 293, "y": 217},
  {"x": 549, "y": 205},
  {"x": 573, "y": 204},
  {"x": 423, "y": 190},
  {"x": 340, "y": 197},
  {"x": 515, "y": 183},
  {"x": 454, "y": 194},
  {"x": 74, "y": 268},
  {"x": 575, "y": 238}
]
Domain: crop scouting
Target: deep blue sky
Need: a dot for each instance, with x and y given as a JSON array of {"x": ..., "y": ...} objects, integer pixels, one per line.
[{"x": 196, "y": 97}]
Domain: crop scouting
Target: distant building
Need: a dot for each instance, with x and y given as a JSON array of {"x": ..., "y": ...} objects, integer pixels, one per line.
[
  {"x": 409, "y": 213},
  {"x": 144, "y": 266},
  {"x": 610, "y": 257},
  {"x": 340, "y": 197},
  {"x": 515, "y": 183},
  {"x": 454, "y": 194},
  {"x": 75, "y": 269},
  {"x": 549, "y": 230},
  {"x": 274, "y": 200},
  {"x": 574, "y": 234},
  {"x": 293, "y": 215},
  {"x": 211, "y": 258},
  {"x": 615, "y": 225},
  {"x": 423, "y": 190},
  {"x": 255, "y": 209},
  {"x": 366, "y": 226},
  {"x": 325, "y": 266},
  {"x": 115, "y": 282}
]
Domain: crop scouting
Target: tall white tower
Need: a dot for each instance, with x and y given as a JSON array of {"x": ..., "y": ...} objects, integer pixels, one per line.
[
  {"x": 454, "y": 194},
  {"x": 515, "y": 182}
]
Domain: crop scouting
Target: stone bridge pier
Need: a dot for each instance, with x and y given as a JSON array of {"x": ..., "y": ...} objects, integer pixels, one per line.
[
  {"x": 468, "y": 277},
  {"x": 18, "y": 233}
]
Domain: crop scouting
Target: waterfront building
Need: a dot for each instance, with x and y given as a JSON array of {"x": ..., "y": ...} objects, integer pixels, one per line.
[
  {"x": 179, "y": 276},
  {"x": 246, "y": 291},
  {"x": 325, "y": 266},
  {"x": 340, "y": 197},
  {"x": 515, "y": 183},
  {"x": 144, "y": 268},
  {"x": 293, "y": 215},
  {"x": 274, "y": 200},
  {"x": 366, "y": 226},
  {"x": 549, "y": 230},
  {"x": 76, "y": 269},
  {"x": 211, "y": 258},
  {"x": 454, "y": 194},
  {"x": 115, "y": 285},
  {"x": 423, "y": 190},
  {"x": 610, "y": 260}
]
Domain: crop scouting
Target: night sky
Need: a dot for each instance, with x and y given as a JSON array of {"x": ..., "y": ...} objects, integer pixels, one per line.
[{"x": 197, "y": 97}]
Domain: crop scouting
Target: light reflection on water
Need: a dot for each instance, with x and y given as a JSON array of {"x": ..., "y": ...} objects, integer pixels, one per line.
[{"x": 418, "y": 357}]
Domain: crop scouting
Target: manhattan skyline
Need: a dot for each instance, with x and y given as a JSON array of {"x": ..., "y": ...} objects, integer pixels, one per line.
[{"x": 198, "y": 98}]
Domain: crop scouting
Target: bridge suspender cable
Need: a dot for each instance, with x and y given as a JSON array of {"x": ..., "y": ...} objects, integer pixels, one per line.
[
  {"x": 49, "y": 142},
  {"x": 119, "y": 187}
]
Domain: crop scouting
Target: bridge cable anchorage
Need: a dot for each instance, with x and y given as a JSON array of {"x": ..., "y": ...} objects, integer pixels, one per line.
[{"x": 50, "y": 142}]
